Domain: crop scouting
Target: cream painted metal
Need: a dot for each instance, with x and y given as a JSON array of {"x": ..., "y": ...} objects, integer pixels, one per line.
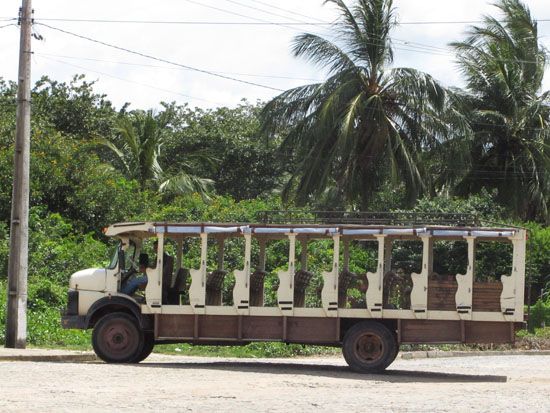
[
  {"x": 285, "y": 292},
  {"x": 197, "y": 290},
  {"x": 374, "y": 294},
  {"x": 419, "y": 293},
  {"x": 153, "y": 290},
  {"x": 329, "y": 294},
  {"x": 511, "y": 300},
  {"x": 464, "y": 292},
  {"x": 241, "y": 292}
]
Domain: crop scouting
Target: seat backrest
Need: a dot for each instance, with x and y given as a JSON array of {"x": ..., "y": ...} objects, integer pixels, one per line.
[
  {"x": 181, "y": 280},
  {"x": 167, "y": 270}
]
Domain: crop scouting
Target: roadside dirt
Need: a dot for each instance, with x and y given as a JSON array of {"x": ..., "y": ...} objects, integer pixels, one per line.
[{"x": 174, "y": 383}]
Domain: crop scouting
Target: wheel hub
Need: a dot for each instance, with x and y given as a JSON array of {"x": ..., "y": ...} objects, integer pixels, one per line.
[
  {"x": 369, "y": 347},
  {"x": 117, "y": 338}
]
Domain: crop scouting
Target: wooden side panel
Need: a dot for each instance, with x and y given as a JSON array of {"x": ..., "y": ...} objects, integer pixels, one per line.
[
  {"x": 312, "y": 329},
  {"x": 262, "y": 328},
  {"x": 435, "y": 331},
  {"x": 218, "y": 326},
  {"x": 175, "y": 325},
  {"x": 486, "y": 296},
  {"x": 441, "y": 294},
  {"x": 430, "y": 331},
  {"x": 489, "y": 332}
]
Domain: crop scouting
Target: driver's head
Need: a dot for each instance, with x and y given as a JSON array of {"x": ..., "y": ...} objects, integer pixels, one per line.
[{"x": 143, "y": 260}]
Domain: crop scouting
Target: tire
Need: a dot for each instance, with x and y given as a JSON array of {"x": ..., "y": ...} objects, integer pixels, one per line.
[
  {"x": 369, "y": 347},
  {"x": 148, "y": 344},
  {"x": 117, "y": 338}
]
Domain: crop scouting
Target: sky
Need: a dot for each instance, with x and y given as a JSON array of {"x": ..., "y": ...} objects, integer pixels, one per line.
[{"x": 259, "y": 54}]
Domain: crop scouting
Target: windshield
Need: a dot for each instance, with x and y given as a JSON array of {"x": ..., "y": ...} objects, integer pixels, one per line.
[
  {"x": 129, "y": 256},
  {"x": 114, "y": 259}
]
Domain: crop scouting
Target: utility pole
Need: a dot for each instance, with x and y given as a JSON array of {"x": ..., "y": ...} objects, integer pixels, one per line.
[{"x": 16, "y": 325}]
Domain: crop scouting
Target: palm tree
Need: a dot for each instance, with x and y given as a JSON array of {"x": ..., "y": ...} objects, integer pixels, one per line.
[
  {"x": 366, "y": 122},
  {"x": 504, "y": 64},
  {"x": 137, "y": 147}
]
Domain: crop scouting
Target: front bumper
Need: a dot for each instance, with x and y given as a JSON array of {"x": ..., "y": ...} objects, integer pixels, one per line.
[{"x": 74, "y": 321}]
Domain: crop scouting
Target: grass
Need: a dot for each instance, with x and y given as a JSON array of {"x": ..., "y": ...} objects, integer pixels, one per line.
[{"x": 252, "y": 350}]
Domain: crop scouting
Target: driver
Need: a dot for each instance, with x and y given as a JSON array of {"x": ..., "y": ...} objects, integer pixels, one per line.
[{"x": 137, "y": 282}]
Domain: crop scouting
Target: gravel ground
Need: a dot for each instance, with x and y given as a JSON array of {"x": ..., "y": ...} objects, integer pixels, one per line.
[{"x": 174, "y": 383}]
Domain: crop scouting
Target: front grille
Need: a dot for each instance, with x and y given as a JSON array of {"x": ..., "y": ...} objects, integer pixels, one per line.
[{"x": 72, "y": 303}]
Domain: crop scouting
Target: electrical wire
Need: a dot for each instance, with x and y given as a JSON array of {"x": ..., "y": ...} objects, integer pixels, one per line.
[
  {"x": 181, "y": 22},
  {"x": 241, "y": 74},
  {"x": 174, "y": 68},
  {"x": 287, "y": 11},
  {"x": 259, "y": 22},
  {"x": 238, "y": 3},
  {"x": 130, "y": 81},
  {"x": 147, "y": 56},
  {"x": 198, "y": 3}
]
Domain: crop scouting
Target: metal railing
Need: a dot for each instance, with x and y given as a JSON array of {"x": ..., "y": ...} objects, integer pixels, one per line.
[{"x": 366, "y": 218}]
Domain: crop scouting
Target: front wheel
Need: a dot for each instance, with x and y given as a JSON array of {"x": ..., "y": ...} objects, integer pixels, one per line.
[
  {"x": 117, "y": 338},
  {"x": 369, "y": 347},
  {"x": 148, "y": 345}
]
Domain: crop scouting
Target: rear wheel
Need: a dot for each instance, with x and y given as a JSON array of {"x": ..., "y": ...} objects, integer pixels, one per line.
[
  {"x": 117, "y": 338},
  {"x": 369, "y": 347}
]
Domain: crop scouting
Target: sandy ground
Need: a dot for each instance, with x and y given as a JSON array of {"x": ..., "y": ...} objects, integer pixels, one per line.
[{"x": 172, "y": 383}]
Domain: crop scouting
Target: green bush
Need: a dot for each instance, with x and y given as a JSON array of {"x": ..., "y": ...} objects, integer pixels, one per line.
[{"x": 540, "y": 314}]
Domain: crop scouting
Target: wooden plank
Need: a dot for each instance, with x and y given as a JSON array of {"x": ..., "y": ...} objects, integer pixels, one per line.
[
  {"x": 486, "y": 296},
  {"x": 430, "y": 331},
  {"x": 172, "y": 325},
  {"x": 441, "y": 294},
  {"x": 312, "y": 329},
  {"x": 262, "y": 328},
  {"x": 488, "y": 332},
  {"x": 218, "y": 326}
]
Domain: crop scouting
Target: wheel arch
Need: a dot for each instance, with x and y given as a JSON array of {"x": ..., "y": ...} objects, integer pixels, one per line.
[
  {"x": 347, "y": 323},
  {"x": 112, "y": 304}
]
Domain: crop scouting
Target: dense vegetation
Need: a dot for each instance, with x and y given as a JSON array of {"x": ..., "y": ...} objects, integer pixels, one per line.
[{"x": 370, "y": 137}]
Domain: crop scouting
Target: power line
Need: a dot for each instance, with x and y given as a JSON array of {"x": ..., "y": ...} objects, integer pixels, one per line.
[
  {"x": 238, "y": 3},
  {"x": 259, "y": 22},
  {"x": 130, "y": 81},
  {"x": 207, "y": 72},
  {"x": 184, "y": 22},
  {"x": 174, "y": 68},
  {"x": 287, "y": 11},
  {"x": 463, "y": 22},
  {"x": 238, "y": 14}
]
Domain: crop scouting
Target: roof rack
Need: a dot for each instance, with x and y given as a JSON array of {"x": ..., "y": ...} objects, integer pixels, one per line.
[{"x": 366, "y": 218}]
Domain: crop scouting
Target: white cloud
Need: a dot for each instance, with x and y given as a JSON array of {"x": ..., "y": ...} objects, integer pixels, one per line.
[{"x": 235, "y": 50}]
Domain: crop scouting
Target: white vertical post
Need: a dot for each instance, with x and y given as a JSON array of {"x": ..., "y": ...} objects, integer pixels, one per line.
[
  {"x": 419, "y": 293},
  {"x": 197, "y": 289},
  {"x": 285, "y": 292},
  {"x": 464, "y": 291},
  {"x": 241, "y": 291},
  {"x": 329, "y": 294},
  {"x": 375, "y": 291}
]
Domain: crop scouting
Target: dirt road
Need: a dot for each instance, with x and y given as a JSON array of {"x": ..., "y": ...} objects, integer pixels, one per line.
[{"x": 169, "y": 383}]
